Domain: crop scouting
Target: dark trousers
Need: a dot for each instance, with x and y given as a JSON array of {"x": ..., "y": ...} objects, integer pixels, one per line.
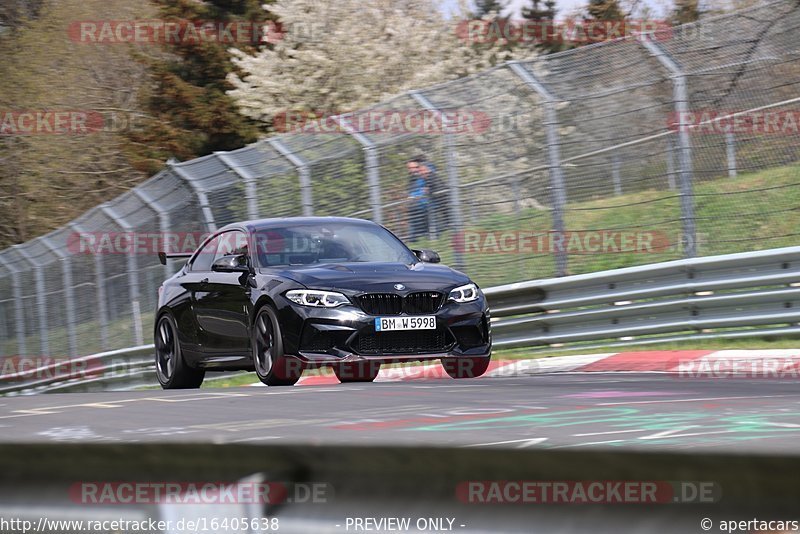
[
  {"x": 438, "y": 216},
  {"x": 417, "y": 221}
]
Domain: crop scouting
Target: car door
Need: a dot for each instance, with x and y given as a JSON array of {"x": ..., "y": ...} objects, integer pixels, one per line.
[
  {"x": 194, "y": 282},
  {"x": 222, "y": 303}
]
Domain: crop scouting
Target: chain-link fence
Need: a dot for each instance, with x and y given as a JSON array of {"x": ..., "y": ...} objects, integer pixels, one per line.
[{"x": 633, "y": 151}]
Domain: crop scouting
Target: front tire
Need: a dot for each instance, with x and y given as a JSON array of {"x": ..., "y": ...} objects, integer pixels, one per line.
[
  {"x": 273, "y": 367},
  {"x": 171, "y": 369},
  {"x": 466, "y": 367},
  {"x": 363, "y": 371}
]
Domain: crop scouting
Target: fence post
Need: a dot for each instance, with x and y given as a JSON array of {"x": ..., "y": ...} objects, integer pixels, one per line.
[
  {"x": 41, "y": 305},
  {"x": 670, "y": 163},
  {"x": 373, "y": 169},
  {"x": 19, "y": 311},
  {"x": 553, "y": 161},
  {"x": 3, "y": 331},
  {"x": 202, "y": 197},
  {"x": 249, "y": 183},
  {"x": 133, "y": 274},
  {"x": 303, "y": 171},
  {"x": 69, "y": 295},
  {"x": 681, "y": 101},
  {"x": 730, "y": 152},
  {"x": 615, "y": 174},
  {"x": 164, "y": 225},
  {"x": 100, "y": 285},
  {"x": 454, "y": 183},
  {"x": 515, "y": 190}
]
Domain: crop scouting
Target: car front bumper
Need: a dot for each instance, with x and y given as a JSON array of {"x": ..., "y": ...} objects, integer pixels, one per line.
[{"x": 319, "y": 336}]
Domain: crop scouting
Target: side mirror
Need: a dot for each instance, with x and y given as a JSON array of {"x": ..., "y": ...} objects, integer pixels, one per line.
[
  {"x": 428, "y": 256},
  {"x": 235, "y": 263}
]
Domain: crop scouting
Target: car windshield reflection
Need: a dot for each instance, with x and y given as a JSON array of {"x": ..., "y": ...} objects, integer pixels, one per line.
[{"x": 312, "y": 244}]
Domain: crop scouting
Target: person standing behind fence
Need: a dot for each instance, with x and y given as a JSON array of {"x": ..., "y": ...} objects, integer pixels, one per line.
[
  {"x": 437, "y": 207},
  {"x": 419, "y": 201}
]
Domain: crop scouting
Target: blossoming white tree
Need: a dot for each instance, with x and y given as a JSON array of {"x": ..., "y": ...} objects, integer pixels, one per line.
[{"x": 345, "y": 54}]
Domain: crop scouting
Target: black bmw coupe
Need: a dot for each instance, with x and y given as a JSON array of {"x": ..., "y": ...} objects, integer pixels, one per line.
[{"x": 277, "y": 296}]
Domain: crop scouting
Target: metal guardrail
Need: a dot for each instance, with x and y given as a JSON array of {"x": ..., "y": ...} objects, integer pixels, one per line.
[
  {"x": 736, "y": 295},
  {"x": 123, "y": 365}
]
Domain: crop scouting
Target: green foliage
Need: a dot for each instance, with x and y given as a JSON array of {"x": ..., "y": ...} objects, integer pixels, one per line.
[
  {"x": 485, "y": 7},
  {"x": 543, "y": 11},
  {"x": 686, "y": 11},
  {"x": 15, "y": 13},
  {"x": 49, "y": 179},
  {"x": 605, "y": 10},
  {"x": 190, "y": 114}
]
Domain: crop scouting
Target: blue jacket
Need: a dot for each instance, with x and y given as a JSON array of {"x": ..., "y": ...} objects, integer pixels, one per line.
[{"x": 419, "y": 190}]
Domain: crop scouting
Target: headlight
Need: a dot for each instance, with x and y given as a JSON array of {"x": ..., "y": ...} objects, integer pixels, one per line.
[
  {"x": 466, "y": 293},
  {"x": 317, "y": 299}
]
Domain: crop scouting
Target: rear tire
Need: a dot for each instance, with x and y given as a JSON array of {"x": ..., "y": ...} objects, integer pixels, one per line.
[
  {"x": 171, "y": 369},
  {"x": 363, "y": 371},
  {"x": 273, "y": 367},
  {"x": 466, "y": 367}
]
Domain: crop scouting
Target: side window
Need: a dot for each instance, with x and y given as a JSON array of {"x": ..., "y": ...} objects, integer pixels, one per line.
[
  {"x": 234, "y": 242},
  {"x": 204, "y": 258}
]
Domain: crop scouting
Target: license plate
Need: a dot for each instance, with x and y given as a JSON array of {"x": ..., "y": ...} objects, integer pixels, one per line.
[{"x": 422, "y": 322}]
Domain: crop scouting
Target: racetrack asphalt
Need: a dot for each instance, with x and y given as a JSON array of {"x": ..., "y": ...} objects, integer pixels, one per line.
[{"x": 642, "y": 411}]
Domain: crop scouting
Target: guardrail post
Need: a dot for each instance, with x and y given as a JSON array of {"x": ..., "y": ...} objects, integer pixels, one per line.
[
  {"x": 249, "y": 180},
  {"x": 303, "y": 171},
  {"x": 133, "y": 274},
  {"x": 553, "y": 161},
  {"x": 681, "y": 101},
  {"x": 202, "y": 197},
  {"x": 730, "y": 152},
  {"x": 373, "y": 169},
  {"x": 41, "y": 305},
  {"x": 454, "y": 183},
  {"x": 19, "y": 310},
  {"x": 69, "y": 295},
  {"x": 100, "y": 292}
]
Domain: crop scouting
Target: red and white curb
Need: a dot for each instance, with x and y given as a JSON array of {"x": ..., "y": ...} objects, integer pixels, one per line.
[{"x": 771, "y": 363}]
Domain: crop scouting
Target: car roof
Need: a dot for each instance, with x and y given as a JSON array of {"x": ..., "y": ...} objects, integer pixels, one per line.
[{"x": 261, "y": 224}]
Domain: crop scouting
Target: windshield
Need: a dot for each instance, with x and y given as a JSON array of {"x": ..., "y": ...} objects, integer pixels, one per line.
[{"x": 308, "y": 244}]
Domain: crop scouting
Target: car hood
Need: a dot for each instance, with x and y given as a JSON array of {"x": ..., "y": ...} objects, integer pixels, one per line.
[{"x": 374, "y": 277}]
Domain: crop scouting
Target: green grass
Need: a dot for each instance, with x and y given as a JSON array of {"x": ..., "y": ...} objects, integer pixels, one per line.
[{"x": 753, "y": 211}]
